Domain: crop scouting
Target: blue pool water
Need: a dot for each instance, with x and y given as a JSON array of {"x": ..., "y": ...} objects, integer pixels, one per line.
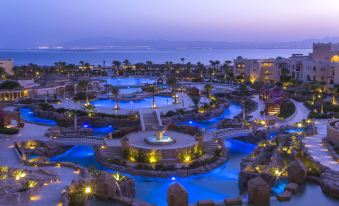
[
  {"x": 271, "y": 135},
  {"x": 99, "y": 131},
  {"x": 27, "y": 115},
  {"x": 211, "y": 124},
  {"x": 133, "y": 104},
  {"x": 217, "y": 184},
  {"x": 295, "y": 130},
  {"x": 130, "y": 81}
]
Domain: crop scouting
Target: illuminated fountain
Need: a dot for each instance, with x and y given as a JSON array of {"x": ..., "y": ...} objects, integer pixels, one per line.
[{"x": 159, "y": 138}]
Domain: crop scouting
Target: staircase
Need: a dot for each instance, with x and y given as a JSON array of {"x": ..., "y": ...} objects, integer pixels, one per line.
[
  {"x": 274, "y": 111},
  {"x": 150, "y": 120},
  {"x": 210, "y": 147}
]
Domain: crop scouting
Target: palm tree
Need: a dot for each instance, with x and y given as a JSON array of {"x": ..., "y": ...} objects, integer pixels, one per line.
[
  {"x": 116, "y": 64},
  {"x": 201, "y": 69},
  {"x": 188, "y": 66},
  {"x": 82, "y": 64},
  {"x": 172, "y": 81},
  {"x": 115, "y": 92},
  {"x": 153, "y": 96},
  {"x": 149, "y": 65},
  {"x": 195, "y": 100},
  {"x": 208, "y": 89},
  {"x": 227, "y": 69},
  {"x": 88, "y": 107}
]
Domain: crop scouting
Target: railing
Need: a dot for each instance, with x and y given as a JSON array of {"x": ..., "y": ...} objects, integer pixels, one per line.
[
  {"x": 142, "y": 123},
  {"x": 230, "y": 133},
  {"x": 90, "y": 140}
]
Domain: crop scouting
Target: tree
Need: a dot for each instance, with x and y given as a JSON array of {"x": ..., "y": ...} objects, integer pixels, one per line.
[
  {"x": 195, "y": 100},
  {"x": 83, "y": 85},
  {"x": 115, "y": 93},
  {"x": 9, "y": 85},
  {"x": 116, "y": 64},
  {"x": 172, "y": 81},
  {"x": 208, "y": 88},
  {"x": 149, "y": 65},
  {"x": 227, "y": 69},
  {"x": 201, "y": 69},
  {"x": 3, "y": 73}
]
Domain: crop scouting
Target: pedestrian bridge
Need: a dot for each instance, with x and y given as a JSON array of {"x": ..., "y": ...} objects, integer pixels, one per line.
[
  {"x": 89, "y": 140},
  {"x": 227, "y": 133}
]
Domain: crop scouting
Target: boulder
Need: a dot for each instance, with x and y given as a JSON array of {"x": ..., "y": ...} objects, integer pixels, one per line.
[
  {"x": 285, "y": 196},
  {"x": 107, "y": 187},
  {"x": 258, "y": 192},
  {"x": 329, "y": 183},
  {"x": 205, "y": 203},
  {"x": 177, "y": 195},
  {"x": 297, "y": 172},
  {"x": 291, "y": 187},
  {"x": 233, "y": 201}
]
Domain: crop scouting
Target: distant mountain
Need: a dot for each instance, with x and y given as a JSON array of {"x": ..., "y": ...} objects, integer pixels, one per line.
[{"x": 113, "y": 43}]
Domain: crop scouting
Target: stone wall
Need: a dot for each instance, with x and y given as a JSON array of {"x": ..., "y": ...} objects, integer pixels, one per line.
[{"x": 333, "y": 132}]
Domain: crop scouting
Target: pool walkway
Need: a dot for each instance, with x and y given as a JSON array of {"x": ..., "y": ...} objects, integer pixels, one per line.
[
  {"x": 301, "y": 112},
  {"x": 317, "y": 149},
  {"x": 260, "y": 107},
  {"x": 47, "y": 195}
]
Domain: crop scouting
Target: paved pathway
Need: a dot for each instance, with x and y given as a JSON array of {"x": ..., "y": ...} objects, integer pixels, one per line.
[
  {"x": 301, "y": 113},
  {"x": 261, "y": 106},
  {"x": 50, "y": 194},
  {"x": 319, "y": 151}
]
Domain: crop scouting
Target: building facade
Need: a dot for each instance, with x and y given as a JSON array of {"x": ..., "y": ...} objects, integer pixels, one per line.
[{"x": 321, "y": 65}]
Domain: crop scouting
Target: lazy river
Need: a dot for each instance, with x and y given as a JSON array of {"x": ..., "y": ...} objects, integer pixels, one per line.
[
  {"x": 217, "y": 184},
  {"x": 211, "y": 124}
]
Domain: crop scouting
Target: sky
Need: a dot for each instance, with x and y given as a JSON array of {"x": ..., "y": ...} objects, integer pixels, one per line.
[{"x": 25, "y": 23}]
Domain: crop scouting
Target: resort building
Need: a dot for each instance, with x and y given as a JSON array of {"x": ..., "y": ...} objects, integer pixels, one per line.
[
  {"x": 8, "y": 65},
  {"x": 262, "y": 70},
  {"x": 321, "y": 65},
  {"x": 14, "y": 94}
]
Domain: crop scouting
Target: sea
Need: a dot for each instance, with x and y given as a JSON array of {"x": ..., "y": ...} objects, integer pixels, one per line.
[{"x": 98, "y": 57}]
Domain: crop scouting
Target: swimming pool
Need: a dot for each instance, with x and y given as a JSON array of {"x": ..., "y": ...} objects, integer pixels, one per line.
[
  {"x": 145, "y": 103},
  {"x": 130, "y": 81}
]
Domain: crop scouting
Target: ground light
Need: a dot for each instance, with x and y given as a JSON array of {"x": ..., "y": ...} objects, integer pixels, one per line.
[{"x": 88, "y": 190}]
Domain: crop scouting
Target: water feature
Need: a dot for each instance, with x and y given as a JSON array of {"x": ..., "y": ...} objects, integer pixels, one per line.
[
  {"x": 133, "y": 104},
  {"x": 211, "y": 124},
  {"x": 217, "y": 184},
  {"x": 159, "y": 139},
  {"x": 28, "y": 115}
]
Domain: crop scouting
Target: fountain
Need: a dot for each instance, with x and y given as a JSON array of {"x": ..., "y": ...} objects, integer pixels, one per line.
[{"x": 159, "y": 138}]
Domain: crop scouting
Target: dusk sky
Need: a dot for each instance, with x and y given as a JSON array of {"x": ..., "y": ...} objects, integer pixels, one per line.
[{"x": 34, "y": 22}]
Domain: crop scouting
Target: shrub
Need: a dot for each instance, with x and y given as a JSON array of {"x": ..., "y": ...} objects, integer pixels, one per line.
[
  {"x": 287, "y": 110},
  {"x": 4, "y": 130},
  {"x": 8, "y": 85}
]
